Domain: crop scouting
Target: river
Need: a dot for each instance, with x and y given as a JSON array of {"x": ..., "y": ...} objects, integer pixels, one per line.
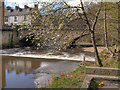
[{"x": 23, "y": 68}]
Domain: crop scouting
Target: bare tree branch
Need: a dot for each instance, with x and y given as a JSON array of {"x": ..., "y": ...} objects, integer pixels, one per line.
[
  {"x": 96, "y": 18},
  {"x": 84, "y": 13}
]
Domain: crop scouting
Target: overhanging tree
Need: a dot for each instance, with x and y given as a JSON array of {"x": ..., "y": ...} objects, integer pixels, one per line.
[{"x": 56, "y": 18}]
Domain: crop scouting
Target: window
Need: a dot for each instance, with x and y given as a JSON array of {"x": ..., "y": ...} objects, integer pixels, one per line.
[
  {"x": 6, "y": 18},
  {"x": 25, "y": 18},
  {"x": 15, "y": 19},
  {"x": 9, "y": 10}
]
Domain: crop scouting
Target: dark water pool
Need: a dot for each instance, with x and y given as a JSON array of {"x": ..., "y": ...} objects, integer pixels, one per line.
[{"x": 18, "y": 72}]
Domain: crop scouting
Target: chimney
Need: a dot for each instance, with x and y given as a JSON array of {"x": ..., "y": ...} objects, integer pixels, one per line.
[
  {"x": 8, "y": 8},
  {"x": 11, "y": 10},
  {"x": 36, "y": 6},
  {"x": 16, "y": 7},
  {"x": 26, "y": 7},
  {"x": 30, "y": 9},
  {"x": 20, "y": 9}
]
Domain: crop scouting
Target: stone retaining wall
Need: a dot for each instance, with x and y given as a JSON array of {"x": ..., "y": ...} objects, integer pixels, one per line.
[
  {"x": 9, "y": 37},
  {"x": 102, "y": 71}
]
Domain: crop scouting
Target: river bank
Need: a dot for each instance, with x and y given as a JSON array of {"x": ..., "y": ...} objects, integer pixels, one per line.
[
  {"x": 91, "y": 49},
  {"x": 75, "y": 79}
]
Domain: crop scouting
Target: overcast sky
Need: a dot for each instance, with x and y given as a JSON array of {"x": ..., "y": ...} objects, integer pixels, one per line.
[{"x": 21, "y": 3}]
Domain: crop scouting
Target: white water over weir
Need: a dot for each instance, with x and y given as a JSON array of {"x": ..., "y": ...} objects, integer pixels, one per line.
[{"x": 48, "y": 55}]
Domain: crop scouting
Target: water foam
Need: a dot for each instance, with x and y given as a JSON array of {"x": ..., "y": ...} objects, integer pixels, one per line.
[{"x": 50, "y": 55}]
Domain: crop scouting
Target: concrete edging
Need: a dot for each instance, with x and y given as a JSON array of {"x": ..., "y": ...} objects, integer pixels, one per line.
[{"x": 100, "y": 73}]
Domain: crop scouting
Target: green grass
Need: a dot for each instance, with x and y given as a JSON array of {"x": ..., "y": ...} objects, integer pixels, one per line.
[
  {"x": 104, "y": 51},
  {"x": 108, "y": 61},
  {"x": 70, "y": 80}
]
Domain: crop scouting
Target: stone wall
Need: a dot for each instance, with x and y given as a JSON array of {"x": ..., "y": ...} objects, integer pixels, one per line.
[
  {"x": 8, "y": 38},
  {"x": 100, "y": 73},
  {"x": 103, "y": 71}
]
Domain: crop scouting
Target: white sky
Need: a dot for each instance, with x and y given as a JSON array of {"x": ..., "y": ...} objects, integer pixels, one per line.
[{"x": 21, "y": 3}]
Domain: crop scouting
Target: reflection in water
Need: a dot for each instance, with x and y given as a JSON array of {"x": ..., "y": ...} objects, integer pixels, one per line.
[
  {"x": 16, "y": 71},
  {"x": 27, "y": 72}
]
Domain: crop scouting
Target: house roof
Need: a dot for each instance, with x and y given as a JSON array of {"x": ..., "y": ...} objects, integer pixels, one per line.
[{"x": 17, "y": 12}]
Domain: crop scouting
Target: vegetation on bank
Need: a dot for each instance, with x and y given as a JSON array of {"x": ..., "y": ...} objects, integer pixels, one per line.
[
  {"x": 95, "y": 85},
  {"x": 75, "y": 79}
]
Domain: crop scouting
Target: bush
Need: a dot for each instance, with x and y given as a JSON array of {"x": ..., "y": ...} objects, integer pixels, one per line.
[
  {"x": 93, "y": 85},
  {"x": 104, "y": 51}
]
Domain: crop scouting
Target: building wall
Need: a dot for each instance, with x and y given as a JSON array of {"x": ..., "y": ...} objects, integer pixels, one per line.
[
  {"x": 0, "y": 13},
  {"x": 11, "y": 20},
  {"x": 25, "y": 22},
  {"x": 6, "y": 38},
  {"x": 20, "y": 20}
]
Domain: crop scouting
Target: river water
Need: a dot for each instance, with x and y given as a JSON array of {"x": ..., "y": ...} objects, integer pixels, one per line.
[{"x": 23, "y": 68}]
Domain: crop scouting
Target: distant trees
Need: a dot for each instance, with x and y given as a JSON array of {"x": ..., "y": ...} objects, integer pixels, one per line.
[
  {"x": 112, "y": 25},
  {"x": 106, "y": 31},
  {"x": 107, "y": 26}
]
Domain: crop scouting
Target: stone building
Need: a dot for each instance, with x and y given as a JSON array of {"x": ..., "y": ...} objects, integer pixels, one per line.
[{"x": 18, "y": 15}]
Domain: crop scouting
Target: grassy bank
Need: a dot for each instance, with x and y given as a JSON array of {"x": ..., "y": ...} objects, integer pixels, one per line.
[
  {"x": 75, "y": 79},
  {"x": 69, "y": 80}
]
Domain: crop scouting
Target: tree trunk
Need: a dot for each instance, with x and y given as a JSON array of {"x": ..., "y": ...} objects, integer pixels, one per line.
[
  {"x": 105, "y": 29},
  {"x": 105, "y": 32},
  {"x": 95, "y": 49},
  {"x": 92, "y": 31}
]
